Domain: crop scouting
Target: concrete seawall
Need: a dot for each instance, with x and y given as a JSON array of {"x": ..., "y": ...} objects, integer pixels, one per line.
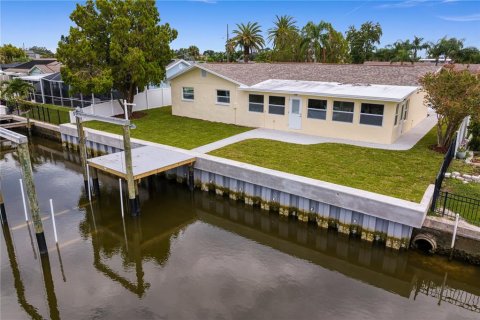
[{"x": 354, "y": 212}]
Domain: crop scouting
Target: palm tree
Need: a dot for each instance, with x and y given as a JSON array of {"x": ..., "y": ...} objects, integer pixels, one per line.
[
  {"x": 15, "y": 90},
  {"x": 402, "y": 55},
  {"x": 315, "y": 40},
  {"x": 248, "y": 36},
  {"x": 282, "y": 33},
  {"x": 418, "y": 44}
]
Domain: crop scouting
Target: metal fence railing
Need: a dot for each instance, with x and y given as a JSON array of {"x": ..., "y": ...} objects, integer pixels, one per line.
[
  {"x": 441, "y": 174},
  {"x": 449, "y": 204},
  {"x": 47, "y": 114}
]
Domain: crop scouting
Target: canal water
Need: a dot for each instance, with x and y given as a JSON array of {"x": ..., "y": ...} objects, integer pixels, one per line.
[{"x": 199, "y": 256}]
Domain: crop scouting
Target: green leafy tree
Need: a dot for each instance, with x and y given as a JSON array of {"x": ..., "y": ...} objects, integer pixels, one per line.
[
  {"x": 248, "y": 36},
  {"x": 9, "y": 53},
  {"x": 115, "y": 44},
  {"x": 468, "y": 55},
  {"x": 15, "y": 90},
  {"x": 362, "y": 41},
  {"x": 454, "y": 95},
  {"x": 42, "y": 51},
  {"x": 284, "y": 36},
  {"x": 385, "y": 54},
  {"x": 402, "y": 55}
]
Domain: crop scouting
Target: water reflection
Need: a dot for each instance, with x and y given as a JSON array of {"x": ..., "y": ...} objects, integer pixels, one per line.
[{"x": 202, "y": 256}]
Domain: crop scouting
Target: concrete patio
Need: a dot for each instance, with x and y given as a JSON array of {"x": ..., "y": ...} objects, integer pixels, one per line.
[{"x": 405, "y": 142}]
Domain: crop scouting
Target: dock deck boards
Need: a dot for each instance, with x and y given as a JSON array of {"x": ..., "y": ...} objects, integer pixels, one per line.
[{"x": 146, "y": 161}]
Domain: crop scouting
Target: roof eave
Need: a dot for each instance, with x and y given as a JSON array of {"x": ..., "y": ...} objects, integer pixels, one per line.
[
  {"x": 199, "y": 66},
  {"x": 329, "y": 95}
]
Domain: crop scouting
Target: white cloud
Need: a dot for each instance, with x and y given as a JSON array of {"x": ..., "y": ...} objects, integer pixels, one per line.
[
  {"x": 403, "y": 4},
  {"x": 465, "y": 18}
]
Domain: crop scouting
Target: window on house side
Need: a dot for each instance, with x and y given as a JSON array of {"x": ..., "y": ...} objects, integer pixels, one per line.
[
  {"x": 372, "y": 114},
  {"x": 188, "y": 93},
  {"x": 317, "y": 109},
  {"x": 396, "y": 114},
  {"x": 255, "y": 103},
  {"x": 405, "y": 111},
  {"x": 276, "y": 105},
  {"x": 223, "y": 96},
  {"x": 343, "y": 111}
]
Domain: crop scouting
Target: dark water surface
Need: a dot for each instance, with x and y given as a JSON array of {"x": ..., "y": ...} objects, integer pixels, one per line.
[{"x": 203, "y": 257}]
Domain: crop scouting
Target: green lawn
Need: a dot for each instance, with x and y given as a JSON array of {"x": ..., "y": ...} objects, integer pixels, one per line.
[
  {"x": 401, "y": 174},
  {"x": 159, "y": 125}
]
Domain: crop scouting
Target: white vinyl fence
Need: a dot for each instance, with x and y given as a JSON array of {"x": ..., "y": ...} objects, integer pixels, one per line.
[
  {"x": 462, "y": 133},
  {"x": 148, "y": 99}
]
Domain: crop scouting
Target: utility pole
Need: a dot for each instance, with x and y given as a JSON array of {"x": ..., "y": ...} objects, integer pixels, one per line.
[{"x": 227, "y": 46}]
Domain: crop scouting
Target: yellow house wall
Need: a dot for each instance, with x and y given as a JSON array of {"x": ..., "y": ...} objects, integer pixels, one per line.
[{"x": 205, "y": 107}]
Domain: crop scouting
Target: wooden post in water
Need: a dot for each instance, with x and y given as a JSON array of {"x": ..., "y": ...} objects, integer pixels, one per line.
[
  {"x": 83, "y": 151},
  {"x": 24, "y": 157},
  {"x": 3, "y": 212},
  {"x": 29, "y": 125},
  {"x": 96, "y": 185},
  {"x": 132, "y": 197}
]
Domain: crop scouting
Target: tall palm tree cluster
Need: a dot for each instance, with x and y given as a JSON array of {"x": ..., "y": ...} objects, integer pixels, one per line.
[
  {"x": 445, "y": 48},
  {"x": 312, "y": 43},
  {"x": 320, "y": 42}
]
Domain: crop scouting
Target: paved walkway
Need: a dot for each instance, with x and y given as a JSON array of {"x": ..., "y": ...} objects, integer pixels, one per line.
[{"x": 405, "y": 142}]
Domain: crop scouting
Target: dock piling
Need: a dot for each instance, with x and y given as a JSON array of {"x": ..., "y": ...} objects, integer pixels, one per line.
[
  {"x": 24, "y": 155},
  {"x": 83, "y": 151},
  {"x": 132, "y": 195},
  {"x": 23, "y": 199}
]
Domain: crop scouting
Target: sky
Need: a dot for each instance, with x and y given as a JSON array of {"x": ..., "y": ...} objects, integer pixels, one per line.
[{"x": 204, "y": 22}]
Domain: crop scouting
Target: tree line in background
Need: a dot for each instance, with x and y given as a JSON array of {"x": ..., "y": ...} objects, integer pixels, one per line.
[
  {"x": 9, "y": 53},
  {"x": 321, "y": 42}
]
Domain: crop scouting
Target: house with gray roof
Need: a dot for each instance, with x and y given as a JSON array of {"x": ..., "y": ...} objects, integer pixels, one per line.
[{"x": 371, "y": 103}]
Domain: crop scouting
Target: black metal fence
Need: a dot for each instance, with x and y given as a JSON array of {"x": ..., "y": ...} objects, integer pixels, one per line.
[
  {"x": 441, "y": 174},
  {"x": 449, "y": 204},
  {"x": 47, "y": 114}
]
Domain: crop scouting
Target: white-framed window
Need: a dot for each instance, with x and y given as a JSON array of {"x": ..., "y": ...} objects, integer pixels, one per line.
[
  {"x": 188, "y": 93},
  {"x": 372, "y": 114},
  {"x": 397, "y": 109},
  {"x": 255, "y": 103},
  {"x": 405, "y": 110},
  {"x": 343, "y": 111},
  {"x": 276, "y": 105},
  {"x": 317, "y": 109},
  {"x": 223, "y": 96}
]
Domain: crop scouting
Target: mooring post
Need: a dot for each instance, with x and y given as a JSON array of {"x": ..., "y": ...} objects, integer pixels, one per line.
[
  {"x": 83, "y": 150},
  {"x": 3, "y": 212},
  {"x": 29, "y": 125},
  {"x": 96, "y": 185},
  {"x": 132, "y": 197},
  {"x": 24, "y": 156}
]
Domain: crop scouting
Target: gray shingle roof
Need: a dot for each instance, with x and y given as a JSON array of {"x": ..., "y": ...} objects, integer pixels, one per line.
[{"x": 253, "y": 73}]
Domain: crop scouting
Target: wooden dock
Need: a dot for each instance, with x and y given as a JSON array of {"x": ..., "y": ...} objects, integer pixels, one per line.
[
  {"x": 146, "y": 161},
  {"x": 10, "y": 122}
]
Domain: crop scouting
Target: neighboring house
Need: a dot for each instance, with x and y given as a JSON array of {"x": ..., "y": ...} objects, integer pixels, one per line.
[
  {"x": 32, "y": 55},
  {"x": 174, "y": 67},
  {"x": 37, "y": 66},
  {"x": 358, "y": 102}
]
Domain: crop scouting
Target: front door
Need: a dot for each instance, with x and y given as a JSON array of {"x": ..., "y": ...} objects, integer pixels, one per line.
[{"x": 295, "y": 117}]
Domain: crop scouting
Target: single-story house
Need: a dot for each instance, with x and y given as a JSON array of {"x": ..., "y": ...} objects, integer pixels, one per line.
[{"x": 358, "y": 102}]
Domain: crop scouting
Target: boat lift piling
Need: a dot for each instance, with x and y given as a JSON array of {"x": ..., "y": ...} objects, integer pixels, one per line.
[
  {"x": 26, "y": 166},
  {"x": 125, "y": 123}
]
